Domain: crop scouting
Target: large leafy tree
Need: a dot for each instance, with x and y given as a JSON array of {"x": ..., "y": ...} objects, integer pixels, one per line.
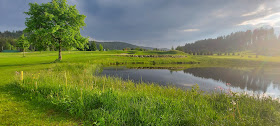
[
  {"x": 55, "y": 24},
  {"x": 22, "y": 43}
]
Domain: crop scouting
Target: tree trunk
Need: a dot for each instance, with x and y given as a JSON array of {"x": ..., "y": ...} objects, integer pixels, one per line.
[
  {"x": 23, "y": 52},
  {"x": 59, "y": 54}
]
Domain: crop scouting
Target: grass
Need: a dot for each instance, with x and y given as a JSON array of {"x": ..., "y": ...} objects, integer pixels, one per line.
[
  {"x": 74, "y": 89},
  {"x": 16, "y": 110},
  {"x": 85, "y": 98},
  {"x": 105, "y": 58}
]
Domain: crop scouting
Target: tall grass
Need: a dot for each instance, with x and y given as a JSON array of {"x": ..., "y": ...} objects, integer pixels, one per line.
[{"x": 75, "y": 89}]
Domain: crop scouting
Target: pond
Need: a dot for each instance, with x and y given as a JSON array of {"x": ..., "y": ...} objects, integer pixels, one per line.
[{"x": 250, "y": 80}]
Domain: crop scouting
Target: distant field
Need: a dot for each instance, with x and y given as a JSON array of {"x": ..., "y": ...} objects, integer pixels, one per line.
[{"x": 250, "y": 56}]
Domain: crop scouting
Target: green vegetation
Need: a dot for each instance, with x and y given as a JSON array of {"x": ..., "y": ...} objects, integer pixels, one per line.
[
  {"x": 93, "y": 46},
  {"x": 8, "y": 40},
  {"x": 37, "y": 90},
  {"x": 70, "y": 93},
  {"x": 100, "y": 47},
  {"x": 22, "y": 43},
  {"x": 55, "y": 24},
  {"x": 120, "y": 46},
  {"x": 261, "y": 41}
]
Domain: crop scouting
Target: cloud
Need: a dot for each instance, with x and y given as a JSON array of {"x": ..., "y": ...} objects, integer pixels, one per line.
[
  {"x": 190, "y": 30},
  {"x": 271, "y": 20},
  {"x": 261, "y": 8},
  {"x": 156, "y": 23}
]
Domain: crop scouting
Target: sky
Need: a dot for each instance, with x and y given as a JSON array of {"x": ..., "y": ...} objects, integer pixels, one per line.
[{"x": 158, "y": 23}]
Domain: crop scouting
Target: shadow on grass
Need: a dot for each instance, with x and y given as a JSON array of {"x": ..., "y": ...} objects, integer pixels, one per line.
[
  {"x": 27, "y": 65},
  {"x": 47, "y": 109}
]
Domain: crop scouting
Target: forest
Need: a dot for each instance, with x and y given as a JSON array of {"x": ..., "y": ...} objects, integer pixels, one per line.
[
  {"x": 262, "y": 41},
  {"x": 8, "y": 40}
]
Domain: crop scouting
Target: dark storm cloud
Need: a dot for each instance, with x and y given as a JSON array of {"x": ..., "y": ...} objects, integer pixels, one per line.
[
  {"x": 157, "y": 23},
  {"x": 12, "y": 14}
]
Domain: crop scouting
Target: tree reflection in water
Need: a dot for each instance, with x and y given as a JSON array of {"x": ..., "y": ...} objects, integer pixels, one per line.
[{"x": 255, "y": 79}]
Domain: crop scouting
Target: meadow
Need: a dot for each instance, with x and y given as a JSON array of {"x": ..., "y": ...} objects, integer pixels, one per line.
[{"x": 70, "y": 92}]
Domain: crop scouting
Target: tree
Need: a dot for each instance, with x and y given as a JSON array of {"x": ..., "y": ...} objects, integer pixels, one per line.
[
  {"x": 56, "y": 23},
  {"x": 172, "y": 48},
  {"x": 93, "y": 46},
  {"x": 257, "y": 40},
  {"x": 22, "y": 43},
  {"x": 100, "y": 47}
]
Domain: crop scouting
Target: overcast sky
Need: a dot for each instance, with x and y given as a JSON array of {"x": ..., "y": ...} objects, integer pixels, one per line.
[{"x": 158, "y": 23}]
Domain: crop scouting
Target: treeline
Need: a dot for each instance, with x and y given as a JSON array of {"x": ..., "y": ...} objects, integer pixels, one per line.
[
  {"x": 120, "y": 46},
  {"x": 105, "y": 46},
  {"x": 94, "y": 46},
  {"x": 8, "y": 40},
  {"x": 261, "y": 41},
  {"x": 251, "y": 80}
]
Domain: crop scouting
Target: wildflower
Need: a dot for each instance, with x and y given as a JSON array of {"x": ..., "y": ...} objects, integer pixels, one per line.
[
  {"x": 228, "y": 84},
  {"x": 233, "y": 103},
  {"x": 220, "y": 88}
]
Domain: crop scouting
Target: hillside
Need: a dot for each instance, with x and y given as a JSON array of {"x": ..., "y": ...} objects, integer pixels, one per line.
[
  {"x": 261, "y": 41},
  {"x": 115, "y": 45},
  {"x": 120, "y": 46}
]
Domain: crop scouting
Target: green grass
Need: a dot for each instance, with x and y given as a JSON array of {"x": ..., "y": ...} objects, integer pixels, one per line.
[
  {"x": 250, "y": 56},
  {"x": 16, "y": 110},
  {"x": 89, "y": 99},
  {"x": 75, "y": 90}
]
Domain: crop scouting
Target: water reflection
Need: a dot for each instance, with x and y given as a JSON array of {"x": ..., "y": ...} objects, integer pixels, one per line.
[{"x": 254, "y": 80}]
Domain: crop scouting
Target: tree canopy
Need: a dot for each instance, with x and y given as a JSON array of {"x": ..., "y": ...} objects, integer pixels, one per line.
[
  {"x": 100, "y": 47},
  {"x": 259, "y": 40},
  {"x": 55, "y": 23},
  {"x": 93, "y": 46},
  {"x": 22, "y": 43},
  {"x": 8, "y": 40}
]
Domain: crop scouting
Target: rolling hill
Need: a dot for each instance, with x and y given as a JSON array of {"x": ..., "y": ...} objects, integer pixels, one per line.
[{"x": 120, "y": 46}]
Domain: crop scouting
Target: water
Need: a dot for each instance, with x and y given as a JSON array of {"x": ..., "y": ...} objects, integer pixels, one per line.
[{"x": 251, "y": 80}]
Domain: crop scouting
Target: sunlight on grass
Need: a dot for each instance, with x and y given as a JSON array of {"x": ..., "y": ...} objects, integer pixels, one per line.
[
  {"x": 71, "y": 92},
  {"x": 112, "y": 101}
]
